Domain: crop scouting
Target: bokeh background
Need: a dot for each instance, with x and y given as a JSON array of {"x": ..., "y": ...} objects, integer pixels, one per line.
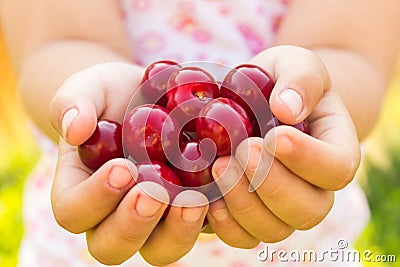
[{"x": 379, "y": 172}]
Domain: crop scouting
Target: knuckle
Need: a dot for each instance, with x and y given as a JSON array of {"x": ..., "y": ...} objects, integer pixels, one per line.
[
  {"x": 63, "y": 218},
  {"x": 183, "y": 241},
  {"x": 243, "y": 242},
  {"x": 348, "y": 174},
  {"x": 276, "y": 236},
  {"x": 319, "y": 213},
  {"x": 154, "y": 260},
  {"x": 243, "y": 209},
  {"x": 272, "y": 188},
  {"x": 310, "y": 223},
  {"x": 98, "y": 255},
  {"x": 269, "y": 229},
  {"x": 155, "y": 257},
  {"x": 341, "y": 183},
  {"x": 131, "y": 237}
]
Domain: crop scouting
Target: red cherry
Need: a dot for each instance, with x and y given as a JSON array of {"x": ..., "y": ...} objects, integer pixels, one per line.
[
  {"x": 154, "y": 81},
  {"x": 244, "y": 83},
  {"x": 158, "y": 172},
  {"x": 194, "y": 165},
  {"x": 104, "y": 145},
  {"x": 302, "y": 126},
  {"x": 250, "y": 86},
  {"x": 150, "y": 133},
  {"x": 226, "y": 123},
  {"x": 188, "y": 90}
]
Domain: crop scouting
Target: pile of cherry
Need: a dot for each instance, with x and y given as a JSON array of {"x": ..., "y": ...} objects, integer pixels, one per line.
[{"x": 194, "y": 120}]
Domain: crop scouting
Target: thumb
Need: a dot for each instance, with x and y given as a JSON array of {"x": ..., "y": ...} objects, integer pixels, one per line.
[
  {"x": 103, "y": 90},
  {"x": 76, "y": 106},
  {"x": 301, "y": 79}
]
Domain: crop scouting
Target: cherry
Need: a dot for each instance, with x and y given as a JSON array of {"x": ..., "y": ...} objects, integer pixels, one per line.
[
  {"x": 158, "y": 172},
  {"x": 244, "y": 84},
  {"x": 154, "y": 81},
  {"x": 226, "y": 123},
  {"x": 149, "y": 132},
  {"x": 189, "y": 89},
  {"x": 302, "y": 126},
  {"x": 250, "y": 86},
  {"x": 194, "y": 165},
  {"x": 104, "y": 145}
]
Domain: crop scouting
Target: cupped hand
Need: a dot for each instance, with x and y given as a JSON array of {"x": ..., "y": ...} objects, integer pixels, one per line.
[
  {"x": 286, "y": 181},
  {"x": 118, "y": 216}
]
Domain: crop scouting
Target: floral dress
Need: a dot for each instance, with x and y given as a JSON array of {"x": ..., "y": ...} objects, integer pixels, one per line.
[{"x": 228, "y": 32}]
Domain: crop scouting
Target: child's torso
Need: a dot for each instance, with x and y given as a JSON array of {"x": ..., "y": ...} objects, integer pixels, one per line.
[{"x": 229, "y": 32}]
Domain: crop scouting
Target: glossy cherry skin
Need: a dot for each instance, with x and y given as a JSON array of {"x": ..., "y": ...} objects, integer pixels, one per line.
[
  {"x": 150, "y": 133},
  {"x": 154, "y": 81},
  {"x": 245, "y": 83},
  {"x": 194, "y": 165},
  {"x": 226, "y": 123},
  {"x": 104, "y": 145},
  {"x": 188, "y": 90},
  {"x": 158, "y": 172},
  {"x": 250, "y": 86}
]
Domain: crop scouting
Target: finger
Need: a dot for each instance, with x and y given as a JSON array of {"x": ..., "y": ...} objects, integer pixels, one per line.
[
  {"x": 292, "y": 199},
  {"x": 87, "y": 95},
  {"x": 80, "y": 200},
  {"x": 177, "y": 234},
  {"x": 246, "y": 207},
  {"x": 227, "y": 229},
  {"x": 331, "y": 157},
  {"x": 125, "y": 231},
  {"x": 301, "y": 78}
]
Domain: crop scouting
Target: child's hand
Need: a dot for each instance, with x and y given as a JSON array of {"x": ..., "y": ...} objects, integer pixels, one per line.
[
  {"x": 294, "y": 174},
  {"x": 119, "y": 218}
]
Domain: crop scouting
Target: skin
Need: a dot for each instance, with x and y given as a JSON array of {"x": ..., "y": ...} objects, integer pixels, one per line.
[{"x": 325, "y": 51}]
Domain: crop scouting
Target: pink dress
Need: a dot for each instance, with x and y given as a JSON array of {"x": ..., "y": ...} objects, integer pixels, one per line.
[{"x": 228, "y": 32}]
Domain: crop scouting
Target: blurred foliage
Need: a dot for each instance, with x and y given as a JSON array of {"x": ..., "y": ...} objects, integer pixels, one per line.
[
  {"x": 383, "y": 192},
  {"x": 18, "y": 155},
  {"x": 380, "y": 172},
  {"x": 12, "y": 178}
]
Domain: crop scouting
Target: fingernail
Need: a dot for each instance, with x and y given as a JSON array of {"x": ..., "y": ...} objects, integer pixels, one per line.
[
  {"x": 218, "y": 171},
  {"x": 192, "y": 215},
  {"x": 67, "y": 120},
  {"x": 220, "y": 176},
  {"x": 226, "y": 176},
  {"x": 147, "y": 206},
  {"x": 292, "y": 100},
  {"x": 119, "y": 177},
  {"x": 249, "y": 158},
  {"x": 220, "y": 215}
]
